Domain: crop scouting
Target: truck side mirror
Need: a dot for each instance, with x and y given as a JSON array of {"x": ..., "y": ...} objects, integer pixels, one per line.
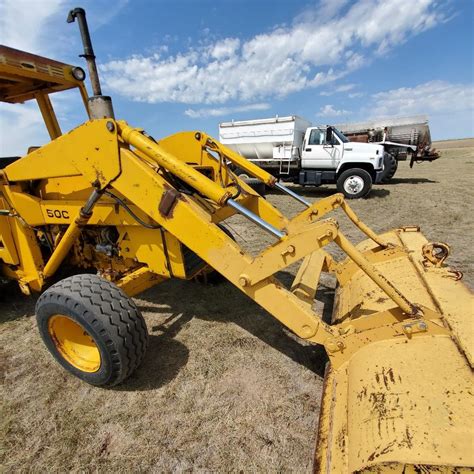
[{"x": 329, "y": 136}]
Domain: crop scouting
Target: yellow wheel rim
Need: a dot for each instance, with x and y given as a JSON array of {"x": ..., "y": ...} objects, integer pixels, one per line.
[{"x": 74, "y": 343}]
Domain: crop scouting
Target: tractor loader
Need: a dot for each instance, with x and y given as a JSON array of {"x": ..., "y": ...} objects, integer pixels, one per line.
[{"x": 121, "y": 211}]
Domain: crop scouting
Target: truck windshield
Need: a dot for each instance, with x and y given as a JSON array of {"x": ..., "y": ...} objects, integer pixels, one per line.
[{"x": 340, "y": 135}]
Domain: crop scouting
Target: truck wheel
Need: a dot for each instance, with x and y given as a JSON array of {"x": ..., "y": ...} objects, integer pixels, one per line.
[
  {"x": 354, "y": 183},
  {"x": 92, "y": 328},
  {"x": 390, "y": 164}
]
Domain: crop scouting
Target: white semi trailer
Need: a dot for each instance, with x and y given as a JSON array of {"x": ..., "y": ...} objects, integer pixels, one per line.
[{"x": 294, "y": 151}]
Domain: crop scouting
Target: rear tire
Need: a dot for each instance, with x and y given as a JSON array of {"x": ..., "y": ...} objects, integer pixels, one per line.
[
  {"x": 92, "y": 328},
  {"x": 390, "y": 167},
  {"x": 354, "y": 183}
]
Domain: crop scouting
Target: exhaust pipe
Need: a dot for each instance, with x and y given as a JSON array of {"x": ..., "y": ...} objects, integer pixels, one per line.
[{"x": 100, "y": 106}]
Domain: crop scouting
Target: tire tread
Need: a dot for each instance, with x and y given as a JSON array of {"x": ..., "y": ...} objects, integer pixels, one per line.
[{"x": 113, "y": 315}]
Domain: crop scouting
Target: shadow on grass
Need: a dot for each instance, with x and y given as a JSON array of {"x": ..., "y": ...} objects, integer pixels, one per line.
[
  {"x": 222, "y": 303},
  {"x": 411, "y": 181},
  {"x": 164, "y": 359},
  {"x": 225, "y": 304},
  {"x": 319, "y": 193},
  {"x": 13, "y": 303}
]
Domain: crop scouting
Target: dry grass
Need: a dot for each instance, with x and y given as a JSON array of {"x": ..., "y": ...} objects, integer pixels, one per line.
[{"x": 223, "y": 387}]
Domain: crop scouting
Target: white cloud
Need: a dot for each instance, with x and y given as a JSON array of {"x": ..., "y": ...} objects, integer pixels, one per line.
[
  {"x": 354, "y": 95},
  {"x": 329, "y": 8},
  {"x": 432, "y": 97},
  {"x": 39, "y": 26},
  {"x": 308, "y": 54},
  {"x": 221, "y": 111},
  {"x": 225, "y": 49},
  {"x": 338, "y": 89},
  {"x": 21, "y": 126},
  {"x": 330, "y": 111},
  {"x": 23, "y": 22}
]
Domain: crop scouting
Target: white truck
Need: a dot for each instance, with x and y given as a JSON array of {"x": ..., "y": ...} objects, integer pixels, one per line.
[
  {"x": 400, "y": 136},
  {"x": 294, "y": 151}
]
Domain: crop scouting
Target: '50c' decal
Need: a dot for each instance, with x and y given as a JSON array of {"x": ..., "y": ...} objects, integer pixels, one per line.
[{"x": 57, "y": 213}]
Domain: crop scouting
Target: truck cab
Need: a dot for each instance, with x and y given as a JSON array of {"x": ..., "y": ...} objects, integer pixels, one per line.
[{"x": 327, "y": 156}]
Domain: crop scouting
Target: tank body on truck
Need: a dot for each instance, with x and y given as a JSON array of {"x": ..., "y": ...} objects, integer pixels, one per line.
[
  {"x": 401, "y": 137},
  {"x": 291, "y": 149}
]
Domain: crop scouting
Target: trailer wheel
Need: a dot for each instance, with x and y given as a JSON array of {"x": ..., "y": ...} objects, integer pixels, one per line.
[
  {"x": 390, "y": 164},
  {"x": 92, "y": 328},
  {"x": 354, "y": 183}
]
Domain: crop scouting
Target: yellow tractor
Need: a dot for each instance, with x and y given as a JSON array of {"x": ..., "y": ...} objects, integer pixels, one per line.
[{"x": 122, "y": 211}]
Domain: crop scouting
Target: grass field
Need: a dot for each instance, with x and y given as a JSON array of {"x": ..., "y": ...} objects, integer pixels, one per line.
[{"x": 224, "y": 387}]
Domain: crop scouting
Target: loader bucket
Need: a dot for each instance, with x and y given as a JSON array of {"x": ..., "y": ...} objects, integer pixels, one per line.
[{"x": 401, "y": 402}]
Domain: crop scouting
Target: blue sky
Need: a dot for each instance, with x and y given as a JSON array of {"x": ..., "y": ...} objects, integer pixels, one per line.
[{"x": 173, "y": 65}]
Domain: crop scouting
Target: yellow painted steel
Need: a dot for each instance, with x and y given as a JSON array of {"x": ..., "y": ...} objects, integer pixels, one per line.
[
  {"x": 61, "y": 250},
  {"x": 48, "y": 114},
  {"x": 74, "y": 343},
  {"x": 138, "y": 281},
  {"x": 152, "y": 150},
  {"x": 290, "y": 249},
  {"x": 239, "y": 160},
  {"x": 90, "y": 150},
  {"x": 396, "y": 405},
  {"x": 400, "y": 344},
  {"x": 376, "y": 276},
  {"x": 309, "y": 272},
  {"x": 8, "y": 252},
  {"x": 400, "y": 400},
  {"x": 24, "y": 75}
]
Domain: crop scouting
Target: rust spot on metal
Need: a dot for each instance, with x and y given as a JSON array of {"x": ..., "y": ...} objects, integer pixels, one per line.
[
  {"x": 379, "y": 407},
  {"x": 407, "y": 439},
  {"x": 456, "y": 275},
  {"x": 379, "y": 452},
  {"x": 362, "y": 394},
  {"x": 99, "y": 175},
  {"x": 391, "y": 376},
  {"x": 341, "y": 439},
  {"x": 168, "y": 202},
  {"x": 386, "y": 377},
  {"x": 435, "y": 253}
]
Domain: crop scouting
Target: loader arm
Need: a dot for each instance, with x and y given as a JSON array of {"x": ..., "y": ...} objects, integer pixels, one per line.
[{"x": 113, "y": 165}]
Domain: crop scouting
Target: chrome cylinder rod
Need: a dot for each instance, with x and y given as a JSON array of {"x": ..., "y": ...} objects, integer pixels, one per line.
[
  {"x": 288, "y": 191},
  {"x": 255, "y": 219}
]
